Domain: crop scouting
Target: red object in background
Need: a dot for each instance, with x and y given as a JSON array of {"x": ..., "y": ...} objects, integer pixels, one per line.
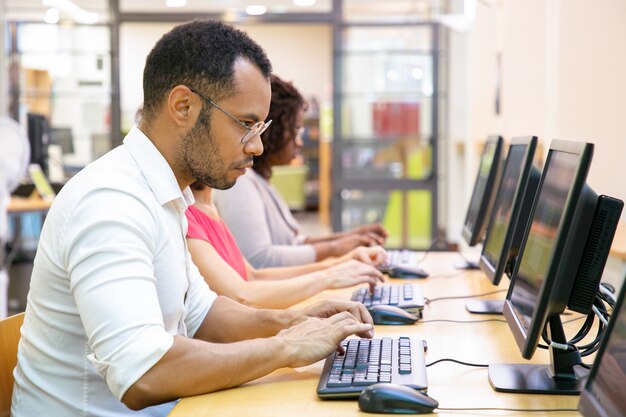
[{"x": 395, "y": 119}]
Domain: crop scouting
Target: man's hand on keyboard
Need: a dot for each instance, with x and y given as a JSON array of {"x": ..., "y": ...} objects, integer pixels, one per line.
[
  {"x": 329, "y": 308},
  {"x": 315, "y": 338},
  {"x": 351, "y": 273}
]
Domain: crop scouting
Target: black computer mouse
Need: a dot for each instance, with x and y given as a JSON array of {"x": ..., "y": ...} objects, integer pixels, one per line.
[
  {"x": 386, "y": 314},
  {"x": 395, "y": 399},
  {"x": 404, "y": 271}
]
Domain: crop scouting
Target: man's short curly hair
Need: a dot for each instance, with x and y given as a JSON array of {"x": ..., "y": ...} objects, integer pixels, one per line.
[
  {"x": 200, "y": 54},
  {"x": 284, "y": 107}
]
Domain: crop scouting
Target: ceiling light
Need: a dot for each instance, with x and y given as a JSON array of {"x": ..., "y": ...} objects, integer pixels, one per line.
[
  {"x": 176, "y": 3},
  {"x": 79, "y": 14},
  {"x": 51, "y": 16},
  {"x": 417, "y": 73},
  {"x": 304, "y": 3},
  {"x": 256, "y": 9}
]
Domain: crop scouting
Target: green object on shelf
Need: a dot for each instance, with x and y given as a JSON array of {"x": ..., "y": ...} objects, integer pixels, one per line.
[
  {"x": 418, "y": 206},
  {"x": 289, "y": 181}
]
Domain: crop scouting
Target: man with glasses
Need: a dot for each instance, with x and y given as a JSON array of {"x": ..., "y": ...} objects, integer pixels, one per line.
[{"x": 118, "y": 317}]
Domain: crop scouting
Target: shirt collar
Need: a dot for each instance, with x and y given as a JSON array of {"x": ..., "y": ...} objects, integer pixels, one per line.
[{"x": 155, "y": 169}]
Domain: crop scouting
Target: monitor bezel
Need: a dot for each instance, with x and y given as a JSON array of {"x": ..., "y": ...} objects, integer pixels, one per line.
[
  {"x": 494, "y": 272},
  {"x": 472, "y": 237},
  {"x": 554, "y": 280},
  {"x": 589, "y": 405}
]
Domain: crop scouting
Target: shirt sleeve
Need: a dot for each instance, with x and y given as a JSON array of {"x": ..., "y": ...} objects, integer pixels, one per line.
[
  {"x": 243, "y": 210},
  {"x": 108, "y": 253},
  {"x": 196, "y": 299}
]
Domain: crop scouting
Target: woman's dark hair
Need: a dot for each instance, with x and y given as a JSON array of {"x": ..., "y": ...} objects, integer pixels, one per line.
[
  {"x": 200, "y": 54},
  {"x": 284, "y": 107}
]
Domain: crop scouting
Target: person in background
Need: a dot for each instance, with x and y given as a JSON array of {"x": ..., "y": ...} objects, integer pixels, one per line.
[
  {"x": 118, "y": 317},
  {"x": 215, "y": 253},
  {"x": 259, "y": 218}
]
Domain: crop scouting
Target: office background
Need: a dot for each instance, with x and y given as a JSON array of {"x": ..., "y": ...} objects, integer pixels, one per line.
[{"x": 555, "y": 69}]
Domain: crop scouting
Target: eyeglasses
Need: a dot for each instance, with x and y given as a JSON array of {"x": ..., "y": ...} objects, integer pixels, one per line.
[{"x": 252, "y": 131}]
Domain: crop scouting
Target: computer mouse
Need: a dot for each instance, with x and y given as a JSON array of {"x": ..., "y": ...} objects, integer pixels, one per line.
[
  {"x": 395, "y": 399},
  {"x": 386, "y": 314},
  {"x": 404, "y": 271}
]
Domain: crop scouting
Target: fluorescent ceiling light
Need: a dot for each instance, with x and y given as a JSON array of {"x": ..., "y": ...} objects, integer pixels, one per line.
[
  {"x": 79, "y": 14},
  {"x": 304, "y": 3},
  {"x": 176, "y": 3},
  {"x": 51, "y": 16},
  {"x": 256, "y": 9}
]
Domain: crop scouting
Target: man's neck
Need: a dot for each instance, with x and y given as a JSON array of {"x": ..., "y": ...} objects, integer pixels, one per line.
[{"x": 162, "y": 136}]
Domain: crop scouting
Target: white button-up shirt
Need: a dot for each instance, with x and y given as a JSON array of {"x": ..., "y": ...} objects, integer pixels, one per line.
[{"x": 112, "y": 284}]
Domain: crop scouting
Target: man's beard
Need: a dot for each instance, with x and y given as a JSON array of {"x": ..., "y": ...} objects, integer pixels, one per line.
[{"x": 201, "y": 157}]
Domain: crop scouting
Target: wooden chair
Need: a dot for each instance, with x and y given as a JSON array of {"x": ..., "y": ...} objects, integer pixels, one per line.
[{"x": 9, "y": 338}]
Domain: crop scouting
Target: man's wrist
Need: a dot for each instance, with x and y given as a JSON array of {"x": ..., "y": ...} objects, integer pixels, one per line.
[{"x": 289, "y": 317}]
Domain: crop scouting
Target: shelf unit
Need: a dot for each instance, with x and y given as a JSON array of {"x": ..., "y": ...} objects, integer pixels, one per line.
[{"x": 388, "y": 104}]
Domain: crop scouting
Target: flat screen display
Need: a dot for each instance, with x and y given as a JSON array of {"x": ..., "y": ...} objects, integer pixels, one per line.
[
  {"x": 559, "y": 176},
  {"x": 503, "y": 206},
  {"x": 486, "y": 161}
]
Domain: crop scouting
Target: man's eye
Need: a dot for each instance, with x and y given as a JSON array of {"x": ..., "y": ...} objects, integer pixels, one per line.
[{"x": 249, "y": 124}]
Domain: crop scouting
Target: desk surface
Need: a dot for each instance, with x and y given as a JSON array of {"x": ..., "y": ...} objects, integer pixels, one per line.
[
  {"x": 21, "y": 205},
  {"x": 291, "y": 392}
]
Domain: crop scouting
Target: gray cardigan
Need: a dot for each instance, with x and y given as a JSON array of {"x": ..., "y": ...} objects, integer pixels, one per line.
[{"x": 260, "y": 220}]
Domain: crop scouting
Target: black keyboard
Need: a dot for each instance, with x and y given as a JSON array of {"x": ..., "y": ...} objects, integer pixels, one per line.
[
  {"x": 368, "y": 361},
  {"x": 407, "y": 296}
]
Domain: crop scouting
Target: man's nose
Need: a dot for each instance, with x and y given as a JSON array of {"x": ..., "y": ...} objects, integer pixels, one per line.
[{"x": 254, "y": 146}]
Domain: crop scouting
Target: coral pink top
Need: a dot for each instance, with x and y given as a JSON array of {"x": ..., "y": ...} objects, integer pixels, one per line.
[{"x": 216, "y": 233}]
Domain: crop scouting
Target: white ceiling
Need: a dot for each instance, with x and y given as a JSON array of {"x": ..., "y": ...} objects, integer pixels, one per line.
[{"x": 35, "y": 9}]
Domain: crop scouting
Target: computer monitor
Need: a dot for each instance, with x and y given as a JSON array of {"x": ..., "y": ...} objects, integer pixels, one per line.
[
  {"x": 63, "y": 137},
  {"x": 509, "y": 218},
  {"x": 38, "y": 136},
  {"x": 603, "y": 395},
  {"x": 562, "y": 256},
  {"x": 483, "y": 194}
]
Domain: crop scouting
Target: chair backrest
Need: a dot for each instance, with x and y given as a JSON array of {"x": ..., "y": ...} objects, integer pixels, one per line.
[{"x": 9, "y": 339}]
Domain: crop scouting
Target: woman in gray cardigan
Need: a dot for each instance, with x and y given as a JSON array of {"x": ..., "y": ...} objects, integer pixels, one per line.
[{"x": 259, "y": 218}]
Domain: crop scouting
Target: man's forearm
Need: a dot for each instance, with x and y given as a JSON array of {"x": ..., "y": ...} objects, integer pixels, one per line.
[
  {"x": 228, "y": 321},
  {"x": 193, "y": 367}
]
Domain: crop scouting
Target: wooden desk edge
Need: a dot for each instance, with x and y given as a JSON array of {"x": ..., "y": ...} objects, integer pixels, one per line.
[{"x": 22, "y": 205}]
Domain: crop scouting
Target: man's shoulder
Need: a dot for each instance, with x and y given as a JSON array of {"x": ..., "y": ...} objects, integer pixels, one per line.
[
  {"x": 114, "y": 171},
  {"x": 106, "y": 182}
]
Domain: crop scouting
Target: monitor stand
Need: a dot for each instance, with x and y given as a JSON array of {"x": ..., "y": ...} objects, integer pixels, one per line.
[
  {"x": 484, "y": 306},
  {"x": 564, "y": 375},
  {"x": 467, "y": 265}
]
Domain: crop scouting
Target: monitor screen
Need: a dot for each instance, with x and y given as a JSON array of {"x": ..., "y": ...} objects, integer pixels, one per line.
[
  {"x": 484, "y": 191},
  {"x": 561, "y": 260},
  {"x": 604, "y": 393},
  {"x": 507, "y": 214},
  {"x": 38, "y": 135},
  {"x": 559, "y": 175}
]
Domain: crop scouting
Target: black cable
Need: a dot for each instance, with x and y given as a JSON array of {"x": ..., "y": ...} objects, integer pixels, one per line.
[
  {"x": 457, "y": 361},
  {"x": 430, "y": 248},
  {"x": 575, "y": 319},
  {"x": 428, "y": 301},
  {"x": 461, "y": 321},
  {"x": 591, "y": 347},
  {"x": 529, "y": 410}
]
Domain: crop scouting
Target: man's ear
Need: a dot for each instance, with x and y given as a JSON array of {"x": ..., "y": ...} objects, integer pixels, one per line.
[{"x": 183, "y": 106}]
